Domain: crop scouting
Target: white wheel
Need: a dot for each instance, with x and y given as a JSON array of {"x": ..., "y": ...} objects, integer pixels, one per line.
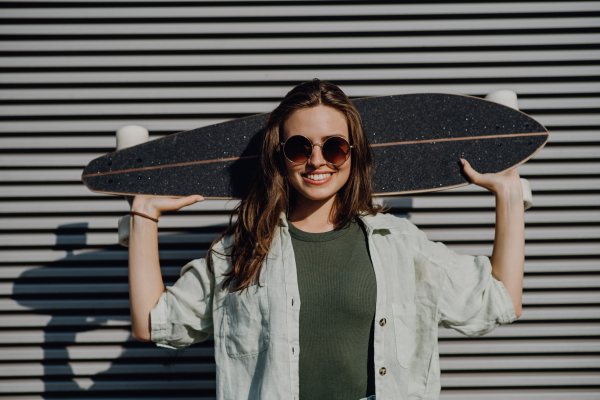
[
  {"x": 505, "y": 97},
  {"x": 131, "y": 135}
]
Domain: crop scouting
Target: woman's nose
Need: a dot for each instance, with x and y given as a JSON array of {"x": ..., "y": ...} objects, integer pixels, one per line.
[{"x": 316, "y": 158}]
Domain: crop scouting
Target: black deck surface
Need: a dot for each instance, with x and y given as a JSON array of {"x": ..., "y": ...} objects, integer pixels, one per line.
[{"x": 439, "y": 129}]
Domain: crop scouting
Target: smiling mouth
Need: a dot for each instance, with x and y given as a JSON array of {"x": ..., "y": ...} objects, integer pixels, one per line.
[{"x": 318, "y": 177}]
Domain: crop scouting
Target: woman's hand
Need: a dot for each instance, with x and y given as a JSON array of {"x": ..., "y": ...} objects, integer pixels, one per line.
[
  {"x": 155, "y": 206},
  {"x": 495, "y": 183}
]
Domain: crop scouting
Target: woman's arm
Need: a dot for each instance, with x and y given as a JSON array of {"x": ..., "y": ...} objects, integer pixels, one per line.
[
  {"x": 145, "y": 279},
  {"x": 508, "y": 256}
]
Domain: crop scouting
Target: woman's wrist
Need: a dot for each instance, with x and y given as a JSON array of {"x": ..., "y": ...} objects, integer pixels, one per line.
[{"x": 142, "y": 206}]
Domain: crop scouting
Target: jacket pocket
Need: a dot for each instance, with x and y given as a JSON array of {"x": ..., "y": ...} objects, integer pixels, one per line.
[
  {"x": 405, "y": 316},
  {"x": 247, "y": 322}
]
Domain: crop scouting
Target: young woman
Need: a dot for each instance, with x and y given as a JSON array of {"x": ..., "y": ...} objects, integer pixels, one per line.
[{"x": 313, "y": 292}]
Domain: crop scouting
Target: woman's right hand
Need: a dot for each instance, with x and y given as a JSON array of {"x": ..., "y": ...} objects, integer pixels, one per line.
[{"x": 155, "y": 206}]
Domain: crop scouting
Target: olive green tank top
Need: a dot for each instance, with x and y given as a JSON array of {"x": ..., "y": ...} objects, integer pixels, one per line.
[{"x": 338, "y": 292}]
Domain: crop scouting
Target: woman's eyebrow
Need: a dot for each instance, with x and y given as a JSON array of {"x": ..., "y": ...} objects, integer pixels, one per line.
[{"x": 324, "y": 138}]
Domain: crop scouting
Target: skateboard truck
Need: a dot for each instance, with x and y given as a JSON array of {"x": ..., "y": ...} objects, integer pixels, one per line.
[
  {"x": 127, "y": 136},
  {"x": 509, "y": 98}
]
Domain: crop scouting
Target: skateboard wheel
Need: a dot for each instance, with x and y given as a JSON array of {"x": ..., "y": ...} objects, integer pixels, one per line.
[
  {"x": 124, "y": 230},
  {"x": 527, "y": 195},
  {"x": 131, "y": 135},
  {"x": 505, "y": 97}
]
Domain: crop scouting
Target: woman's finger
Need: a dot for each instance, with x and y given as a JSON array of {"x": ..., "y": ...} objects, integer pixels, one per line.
[
  {"x": 469, "y": 171},
  {"x": 186, "y": 201}
]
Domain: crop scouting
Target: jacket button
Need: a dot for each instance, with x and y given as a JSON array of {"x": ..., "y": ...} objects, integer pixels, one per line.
[
  {"x": 382, "y": 371},
  {"x": 382, "y": 322}
]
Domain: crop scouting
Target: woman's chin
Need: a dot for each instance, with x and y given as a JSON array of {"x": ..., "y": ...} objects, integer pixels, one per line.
[{"x": 320, "y": 194}]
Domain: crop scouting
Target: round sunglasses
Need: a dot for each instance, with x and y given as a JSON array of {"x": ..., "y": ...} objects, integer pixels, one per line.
[{"x": 298, "y": 149}]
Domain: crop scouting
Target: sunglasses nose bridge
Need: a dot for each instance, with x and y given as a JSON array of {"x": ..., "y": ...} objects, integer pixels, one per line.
[{"x": 321, "y": 160}]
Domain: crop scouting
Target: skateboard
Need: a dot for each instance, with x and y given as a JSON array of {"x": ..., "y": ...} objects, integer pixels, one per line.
[{"x": 417, "y": 141}]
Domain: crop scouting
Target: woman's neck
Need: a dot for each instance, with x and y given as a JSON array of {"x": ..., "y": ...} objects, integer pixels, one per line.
[{"x": 312, "y": 215}]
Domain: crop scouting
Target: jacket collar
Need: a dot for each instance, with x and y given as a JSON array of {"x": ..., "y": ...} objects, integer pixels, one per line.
[{"x": 372, "y": 223}]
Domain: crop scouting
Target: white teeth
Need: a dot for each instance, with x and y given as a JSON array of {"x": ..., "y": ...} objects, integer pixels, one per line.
[{"x": 318, "y": 177}]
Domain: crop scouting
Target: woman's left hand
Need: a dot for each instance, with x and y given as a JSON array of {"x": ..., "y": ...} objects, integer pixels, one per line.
[{"x": 493, "y": 182}]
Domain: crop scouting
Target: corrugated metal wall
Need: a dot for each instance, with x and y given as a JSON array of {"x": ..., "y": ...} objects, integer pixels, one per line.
[{"x": 72, "y": 73}]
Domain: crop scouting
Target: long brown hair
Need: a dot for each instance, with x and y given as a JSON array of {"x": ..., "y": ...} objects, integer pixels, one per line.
[{"x": 271, "y": 194}]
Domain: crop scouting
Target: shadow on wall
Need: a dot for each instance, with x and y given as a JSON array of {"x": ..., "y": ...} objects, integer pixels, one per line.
[
  {"x": 80, "y": 306},
  {"x": 86, "y": 347}
]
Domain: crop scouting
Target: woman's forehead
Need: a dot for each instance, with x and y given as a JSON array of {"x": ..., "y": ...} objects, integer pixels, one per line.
[{"x": 317, "y": 123}]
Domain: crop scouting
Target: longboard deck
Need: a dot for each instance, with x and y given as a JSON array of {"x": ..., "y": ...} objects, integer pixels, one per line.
[{"x": 417, "y": 141}]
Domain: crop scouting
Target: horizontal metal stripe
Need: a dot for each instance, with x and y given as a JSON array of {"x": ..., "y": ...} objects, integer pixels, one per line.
[
  {"x": 192, "y": 221},
  {"x": 298, "y": 43},
  {"x": 174, "y": 108},
  {"x": 299, "y": 75},
  {"x": 443, "y": 235},
  {"x": 93, "y": 368},
  {"x": 521, "y": 394},
  {"x": 172, "y": 272},
  {"x": 93, "y": 336},
  {"x": 105, "y": 352},
  {"x": 574, "y": 136},
  {"x": 105, "y": 239},
  {"x": 42, "y": 320},
  {"x": 113, "y": 204},
  {"x": 37, "y": 256},
  {"x": 108, "y": 395},
  {"x": 519, "y": 346},
  {"x": 31, "y": 256},
  {"x": 78, "y": 384},
  {"x": 560, "y": 298},
  {"x": 507, "y": 379},
  {"x": 279, "y": 92},
  {"x": 559, "y": 313},
  {"x": 120, "y": 61},
  {"x": 554, "y": 266},
  {"x": 299, "y": 27},
  {"x": 552, "y": 121},
  {"x": 39, "y": 305},
  {"x": 53, "y": 223},
  {"x": 297, "y": 11},
  {"x": 38, "y": 272}
]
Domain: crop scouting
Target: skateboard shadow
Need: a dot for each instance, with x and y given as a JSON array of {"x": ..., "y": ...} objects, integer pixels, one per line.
[
  {"x": 242, "y": 172},
  {"x": 77, "y": 357}
]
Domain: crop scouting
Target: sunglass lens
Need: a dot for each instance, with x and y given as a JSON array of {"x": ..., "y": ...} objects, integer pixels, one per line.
[
  {"x": 297, "y": 149},
  {"x": 336, "y": 150}
]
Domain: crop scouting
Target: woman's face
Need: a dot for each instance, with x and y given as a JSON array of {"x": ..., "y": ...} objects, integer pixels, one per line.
[{"x": 317, "y": 124}]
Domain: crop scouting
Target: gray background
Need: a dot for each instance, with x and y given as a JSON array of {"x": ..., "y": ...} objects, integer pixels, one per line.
[{"x": 72, "y": 73}]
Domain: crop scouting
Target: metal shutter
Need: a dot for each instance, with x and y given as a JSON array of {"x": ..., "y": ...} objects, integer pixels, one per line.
[{"x": 73, "y": 72}]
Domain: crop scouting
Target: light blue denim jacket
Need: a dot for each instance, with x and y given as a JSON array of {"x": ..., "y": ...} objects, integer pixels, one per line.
[{"x": 420, "y": 284}]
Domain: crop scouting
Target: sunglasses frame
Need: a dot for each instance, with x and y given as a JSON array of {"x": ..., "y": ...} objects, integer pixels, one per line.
[{"x": 312, "y": 147}]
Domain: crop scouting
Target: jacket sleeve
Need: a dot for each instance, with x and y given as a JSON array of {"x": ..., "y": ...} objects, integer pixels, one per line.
[
  {"x": 183, "y": 314},
  {"x": 471, "y": 300}
]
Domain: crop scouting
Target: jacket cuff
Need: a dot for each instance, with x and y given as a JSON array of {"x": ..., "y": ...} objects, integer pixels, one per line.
[
  {"x": 158, "y": 323},
  {"x": 505, "y": 303}
]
